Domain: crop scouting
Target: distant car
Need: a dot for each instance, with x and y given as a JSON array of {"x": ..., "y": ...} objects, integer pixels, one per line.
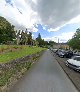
[
  {"x": 65, "y": 53},
  {"x": 61, "y": 53},
  {"x": 76, "y": 53},
  {"x": 74, "y": 63},
  {"x": 51, "y": 48},
  {"x": 55, "y": 50},
  {"x": 58, "y": 51},
  {"x": 68, "y": 54}
]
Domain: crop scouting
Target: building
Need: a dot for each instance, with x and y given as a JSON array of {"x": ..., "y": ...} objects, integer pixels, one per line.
[{"x": 61, "y": 46}]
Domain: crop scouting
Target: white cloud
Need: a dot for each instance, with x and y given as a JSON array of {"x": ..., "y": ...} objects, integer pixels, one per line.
[
  {"x": 21, "y": 15},
  {"x": 64, "y": 37},
  {"x": 75, "y": 20},
  {"x": 47, "y": 38},
  {"x": 72, "y": 21},
  {"x": 36, "y": 25},
  {"x": 35, "y": 1},
  {"x": 34, "y": 29},
  {"x": 54, "y": 13},
  {"x": 32, "y": 35},
  {"x": 44, "y": 28},
  {"x": 56, "y": 29}
]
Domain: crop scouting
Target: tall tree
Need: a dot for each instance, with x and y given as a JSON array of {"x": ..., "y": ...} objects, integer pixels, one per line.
[
  {"x": 75, "y": 41},
  {"x": 22, "y": 39},
  {"x": 26, "y": 37},
  {"x": 51, "y": 43},
  {"x": 7, "y": 32},
  {"x": 29, "y": 38},
  {"x": 18, "y": 37},
  {"x": 39, "y": 39}
]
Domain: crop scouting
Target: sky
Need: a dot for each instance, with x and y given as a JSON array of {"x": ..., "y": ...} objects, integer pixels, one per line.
[{"x": 53, "y": 19}]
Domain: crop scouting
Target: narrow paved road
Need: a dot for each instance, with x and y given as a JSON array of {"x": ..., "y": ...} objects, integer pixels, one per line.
[{"x": 45, "y": 76}]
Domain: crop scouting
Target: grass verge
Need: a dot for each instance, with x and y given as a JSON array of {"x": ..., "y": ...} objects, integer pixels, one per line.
[
  {"x": 16, "y": 69},
  {"x": 20, "y": 52}
]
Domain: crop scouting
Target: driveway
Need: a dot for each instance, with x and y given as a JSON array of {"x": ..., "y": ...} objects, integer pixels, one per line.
[{"x": 45, "y": 76}]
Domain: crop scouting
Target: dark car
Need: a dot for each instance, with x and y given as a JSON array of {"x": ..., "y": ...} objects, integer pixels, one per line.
[
  {"x": 65, "y": 53},
  {"x": 68, "y": 54},
  {"x": 58, "y": 51},
  {"x": 61, "y": 53}
]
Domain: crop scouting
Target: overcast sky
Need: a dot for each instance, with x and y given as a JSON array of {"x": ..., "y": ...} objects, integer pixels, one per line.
[{"x": 52, "y": 18}]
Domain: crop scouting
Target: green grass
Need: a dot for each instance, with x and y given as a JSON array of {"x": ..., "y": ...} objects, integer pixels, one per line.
[
  {"x": 21, "y": 52},
  {"x": 8, "y": 73},
  {"x": 8, "y": 47},
  {"x": 12, "y": 52}
]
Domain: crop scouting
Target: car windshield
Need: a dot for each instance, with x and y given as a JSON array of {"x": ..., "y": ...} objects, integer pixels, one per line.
[
  {"x": 63, "y": 51},
  {"x": 76, "y": 58}
]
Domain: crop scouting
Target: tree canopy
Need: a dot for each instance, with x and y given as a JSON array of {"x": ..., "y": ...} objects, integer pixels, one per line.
[
  {"x": 7, "y": 32},
  {"x": 22, "y": 37},
  {"x": 75, "y": 41}
]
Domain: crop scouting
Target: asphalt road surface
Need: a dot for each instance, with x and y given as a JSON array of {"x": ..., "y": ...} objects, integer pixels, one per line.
[{"x": 45, "y": 76}]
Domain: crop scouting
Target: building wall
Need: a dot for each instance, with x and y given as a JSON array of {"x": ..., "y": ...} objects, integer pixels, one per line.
[{"x": 62, "y": 46}]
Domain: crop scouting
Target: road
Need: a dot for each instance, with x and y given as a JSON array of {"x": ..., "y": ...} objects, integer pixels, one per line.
[{"x": 45, "y": 76}]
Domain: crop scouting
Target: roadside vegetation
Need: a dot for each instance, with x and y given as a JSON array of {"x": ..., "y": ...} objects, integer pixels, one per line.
[
  {"x": 74, "y": 43},
  {"x": 18, "y": 51},
  {"x": 13, "y": 70},
  {"x": 8, "y": 53},
  {"x": 18, "y": 43},
  {"x": 10, "y": 36}
]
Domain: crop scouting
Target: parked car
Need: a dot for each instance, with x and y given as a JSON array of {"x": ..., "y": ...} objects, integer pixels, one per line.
[
  {"x": 61, "y": 53},
  {"x": 74, "y": 63},
  {"x": 68, "y": 54},
  {"x": 76, "y": 53},
  {"x": 55, "y": 50},
  {"x": 64, "y": 53},
  {"x": 51, "y": 48},
  {"x": 58, "y": 51}
]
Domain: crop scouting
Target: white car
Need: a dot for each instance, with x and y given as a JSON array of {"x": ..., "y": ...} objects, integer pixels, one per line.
[{"x": 74, "y": 63}]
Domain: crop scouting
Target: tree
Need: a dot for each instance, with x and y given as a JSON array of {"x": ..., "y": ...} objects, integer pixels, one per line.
[
  {"x": 51, "y": 43},
  {"x": 26, "y": 37},
  {"x": 75, "y": 41},
  {"x": 18, "y": 37},
  {"x": 29, "y": 38},
  {"x": 39, "y": 39},
  {"x": 22, "y": 38},
  {"x": 36, "y": 43},
  {"x": 7, "y": 32}
]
